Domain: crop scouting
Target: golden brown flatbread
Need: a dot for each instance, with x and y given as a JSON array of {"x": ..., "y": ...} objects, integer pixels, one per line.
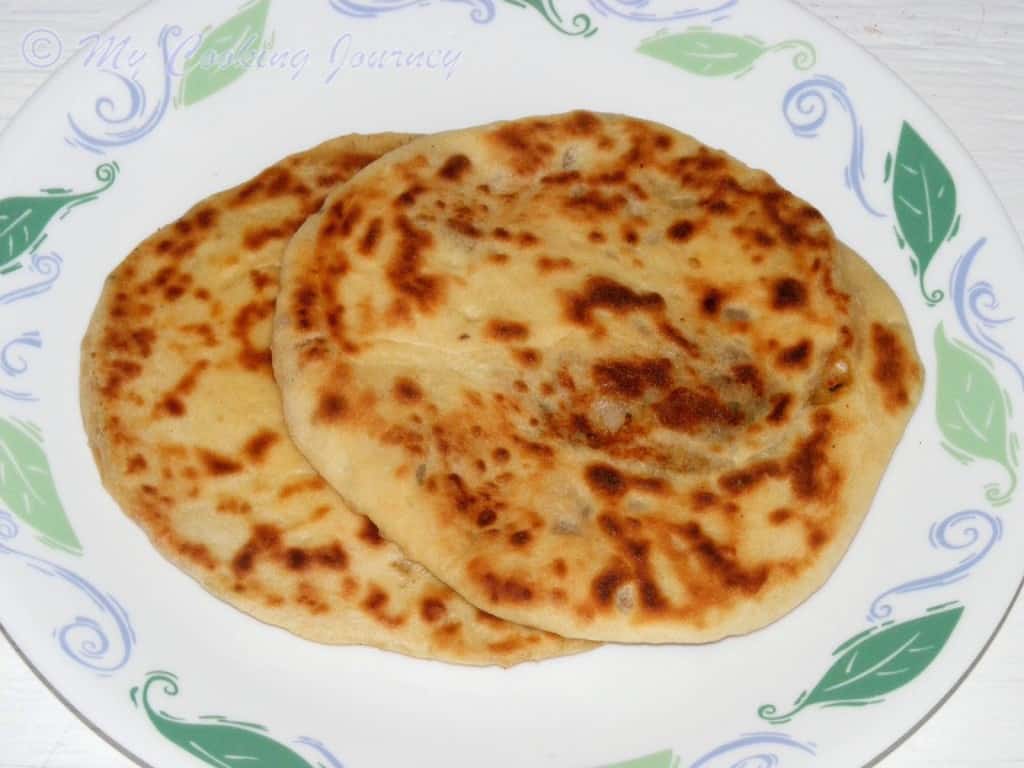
[
  {"x": 597, "y": 377},
  {"x": 185, "y": 422}
]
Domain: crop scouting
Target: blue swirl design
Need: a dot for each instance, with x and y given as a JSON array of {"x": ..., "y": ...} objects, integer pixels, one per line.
[
  {"x": 974, "y": 302},
  {"x": 46, "y": 264},
  {"x": 639, "y": 10},
  {"x": 18, "y": 365},
  {"x": 84, "y": 640},
  {"x": 759, "y": 759},
  {"x": 971, "y": 531},
  {"x": 481, "y": 11},
  {"x": 805, "y": 108},
  {"x": 129, "y": 122},
  {"x": 321, "y": 749}
]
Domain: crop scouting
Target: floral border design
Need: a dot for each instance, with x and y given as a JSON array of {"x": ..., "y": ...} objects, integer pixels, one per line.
[
  {"x": 806, "y": 108},
  {"x": 971, "y": 533},
  {"x": 887, "y": 656},
  {"x": 24, "y": 219},
  {"x": 869, "y": 666},
  {"x": 221, "y": 742},
  {"x": 47, "y": 265},
  {"x": 27, "y": 486},
  {"x": 484, "y": 11},
  {"x": 13, "y": 364},
  {"x": 637, "y": 10},
  {"x": 704, "y": 52},
  {"x": 86, "y": 640},
  {"x": 924, "y": 196},
  {"x": 116, "y": 124},
  {"x": 748, "y": 751},
  {"x": 974, "y": 413},
  {"x": 973, "y": 302}
]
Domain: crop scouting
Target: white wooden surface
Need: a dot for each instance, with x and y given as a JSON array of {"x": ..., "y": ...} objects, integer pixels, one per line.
[{"x": 965, "y": 58}]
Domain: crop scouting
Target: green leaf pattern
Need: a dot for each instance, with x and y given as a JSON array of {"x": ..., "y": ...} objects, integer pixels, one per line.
[
  {"x": 925, "y": 200},
  {"x": 216, "y": 741},
  {"x": 582, "y": 25},
  {"x": 23, "y": 220},
  {"x": 973, "y": 412},
  {"x": 27, "y": 487},
  {"x": 876, "y": 663},
  {"x": 707, "y": 53},
  {"x": 221, "y": 59}
]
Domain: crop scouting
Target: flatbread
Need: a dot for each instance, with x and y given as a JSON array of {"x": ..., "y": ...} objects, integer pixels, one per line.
[
  {"x": 185, "y": 421},
  {"x": 599, "y": 378}
]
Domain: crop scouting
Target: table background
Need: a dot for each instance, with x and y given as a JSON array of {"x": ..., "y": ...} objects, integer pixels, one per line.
[{"x": 964, "y": 57}]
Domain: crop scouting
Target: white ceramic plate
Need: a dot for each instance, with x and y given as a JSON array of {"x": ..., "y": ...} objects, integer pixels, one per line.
[{"x": 147, "y": 120}]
